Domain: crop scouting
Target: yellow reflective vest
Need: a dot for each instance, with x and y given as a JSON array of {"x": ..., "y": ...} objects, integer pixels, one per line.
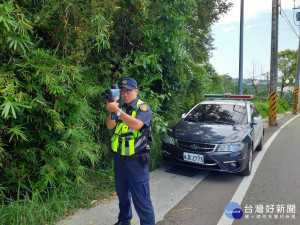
[{"x": 127, "y": 141}]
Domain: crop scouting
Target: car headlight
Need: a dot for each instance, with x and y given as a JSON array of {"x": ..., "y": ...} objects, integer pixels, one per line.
[
  {"x": 231, "y": 147},
  {"x": 169, "y": 140}
]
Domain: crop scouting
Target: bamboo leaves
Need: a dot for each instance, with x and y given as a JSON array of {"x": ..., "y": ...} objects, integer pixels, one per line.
[
  {"x": 15, "y": 41},
  {"x": 16, "y": 132},
  {"x": 15, "y": 27},
  {"x": 11, "y": 107},
  {"x": 53, "y": 70}
]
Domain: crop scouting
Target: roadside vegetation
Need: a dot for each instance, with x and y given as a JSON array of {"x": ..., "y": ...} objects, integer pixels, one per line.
[
  {"x": 263, "y": 107},
  {"x": 57, "y": 57}
]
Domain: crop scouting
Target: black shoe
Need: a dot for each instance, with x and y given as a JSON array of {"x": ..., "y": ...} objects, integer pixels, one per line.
[{"x": 120, "y": 223}]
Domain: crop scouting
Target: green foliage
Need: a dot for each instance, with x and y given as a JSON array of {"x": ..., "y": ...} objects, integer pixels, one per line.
[
  {"x": 287, "y": 62},
  {"x": 47, "y": 123},
  {"x": 280, "y": 109},
  {"x": 229, "y": 86},
  {"x": 15, "y": 29},
  {"x": 263, "y": 107},
  {"x": 284, "y": 104},
  {"x": 33, "y": 208},
  {"x": 56, "y": 59}
]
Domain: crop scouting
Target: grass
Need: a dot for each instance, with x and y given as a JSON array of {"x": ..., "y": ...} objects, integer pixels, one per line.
[
  {"x": 156, "y": 154},
  {"x": 263, "y": 107},
  {"x": 34, "y": 209}
]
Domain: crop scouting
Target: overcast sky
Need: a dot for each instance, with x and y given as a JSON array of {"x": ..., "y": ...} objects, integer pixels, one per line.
[{"x": 257, "y": 37}]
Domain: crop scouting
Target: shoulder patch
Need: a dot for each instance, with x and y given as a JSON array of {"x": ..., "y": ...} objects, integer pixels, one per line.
[{"x": 144, "y": 107}]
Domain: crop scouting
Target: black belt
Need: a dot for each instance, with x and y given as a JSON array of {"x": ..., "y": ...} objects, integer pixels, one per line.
[{"x": 132, "y": 157}]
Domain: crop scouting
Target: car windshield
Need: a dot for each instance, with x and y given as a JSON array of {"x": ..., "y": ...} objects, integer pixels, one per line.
[{"x": 218, "y": 113}]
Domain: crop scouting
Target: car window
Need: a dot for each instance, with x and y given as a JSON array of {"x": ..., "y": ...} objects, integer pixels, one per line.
[
  {"x": 218, "y": 113},
  {"x": 254, "y": 112},
  {"x": 251, "y": 112}
]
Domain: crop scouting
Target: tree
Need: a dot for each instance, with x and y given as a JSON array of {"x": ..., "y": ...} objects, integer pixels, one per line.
[
  {"x": 57, "y": 57},
  {"x": 256, "y": 78},
  {"x": 287, "y": 62}
]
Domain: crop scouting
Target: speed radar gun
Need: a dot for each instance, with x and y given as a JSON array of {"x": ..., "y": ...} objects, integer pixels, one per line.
[{"x": 109, "y": 96}]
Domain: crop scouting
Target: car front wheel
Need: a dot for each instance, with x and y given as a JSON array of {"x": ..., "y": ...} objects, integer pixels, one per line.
[{"x": 248, "y": 169}]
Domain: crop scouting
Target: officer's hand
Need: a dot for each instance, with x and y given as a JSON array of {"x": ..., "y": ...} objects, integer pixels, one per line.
[{"x": 112, "y": 107}]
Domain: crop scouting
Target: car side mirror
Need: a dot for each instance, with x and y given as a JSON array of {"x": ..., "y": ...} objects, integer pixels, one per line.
[
  {"x": 255, "y": 121},
  {"x": 183, "y": 115}
]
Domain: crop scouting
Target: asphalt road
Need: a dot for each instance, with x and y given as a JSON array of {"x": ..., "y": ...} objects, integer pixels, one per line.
[
  {"x": 270, "y": 196},
  {"x": 183, "y": 196}
]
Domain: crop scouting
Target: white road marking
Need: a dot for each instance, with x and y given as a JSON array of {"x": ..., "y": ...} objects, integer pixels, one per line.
[{"x": 244, "y": 185}]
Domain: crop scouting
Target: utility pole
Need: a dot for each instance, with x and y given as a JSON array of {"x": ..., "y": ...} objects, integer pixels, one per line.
[
  {"x": 241, "y": 48},
  {"x": 273, "y": 66},
  {"x": 296, "y": 88}
]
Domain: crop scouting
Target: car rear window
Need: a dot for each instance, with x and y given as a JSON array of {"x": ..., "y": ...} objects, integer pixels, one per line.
[{"x": 218, "y": 113}]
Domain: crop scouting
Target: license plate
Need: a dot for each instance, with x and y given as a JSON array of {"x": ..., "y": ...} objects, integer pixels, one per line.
[{"x": 195, "y": 158}]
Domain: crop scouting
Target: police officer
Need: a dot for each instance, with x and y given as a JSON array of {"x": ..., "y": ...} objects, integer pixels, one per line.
[{"x": 131, "y": 153}]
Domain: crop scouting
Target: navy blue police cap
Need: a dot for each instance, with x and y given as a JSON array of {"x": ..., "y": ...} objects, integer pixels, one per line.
[{"x": 128, "y": 83}]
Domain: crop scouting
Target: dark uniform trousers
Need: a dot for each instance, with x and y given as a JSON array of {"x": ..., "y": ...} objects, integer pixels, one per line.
[{"x": 132, "y": 180}]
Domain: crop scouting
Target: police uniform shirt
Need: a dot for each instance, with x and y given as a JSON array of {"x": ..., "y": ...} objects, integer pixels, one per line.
[{"x": 143, "y": 112}]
